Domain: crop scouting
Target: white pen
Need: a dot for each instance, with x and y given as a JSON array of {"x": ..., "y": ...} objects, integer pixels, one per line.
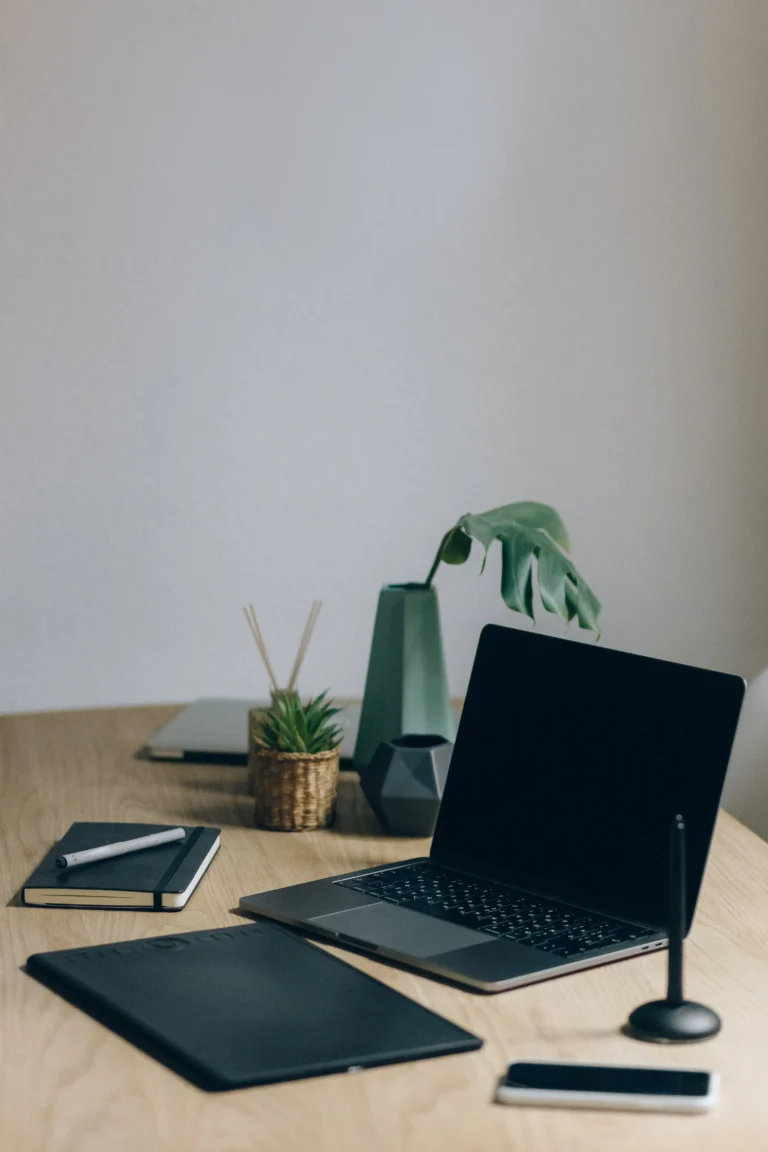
[{"x": 105, "y": 851}]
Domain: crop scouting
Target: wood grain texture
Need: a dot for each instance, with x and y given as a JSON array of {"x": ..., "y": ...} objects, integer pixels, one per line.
[{"x": 69, "y": 1084}]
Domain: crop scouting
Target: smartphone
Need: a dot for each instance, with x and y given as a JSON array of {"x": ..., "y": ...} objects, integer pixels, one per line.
[{"x": 609, "y": 1086}]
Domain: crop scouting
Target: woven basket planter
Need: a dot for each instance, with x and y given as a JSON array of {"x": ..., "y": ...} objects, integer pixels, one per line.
[
  {"x": 255, "y": 717},
  {"x": 294, "y": 791}
]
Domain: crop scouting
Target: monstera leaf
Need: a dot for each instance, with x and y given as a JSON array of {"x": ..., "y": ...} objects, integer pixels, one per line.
[{"x": 527, "y": 531}]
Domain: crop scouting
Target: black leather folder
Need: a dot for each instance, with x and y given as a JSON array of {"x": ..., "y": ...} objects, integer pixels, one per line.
[{"x": 246, "y": 1005}]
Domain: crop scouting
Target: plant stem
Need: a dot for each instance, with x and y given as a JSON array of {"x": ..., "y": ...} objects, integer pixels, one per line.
[{"x": 435, "y": 566}]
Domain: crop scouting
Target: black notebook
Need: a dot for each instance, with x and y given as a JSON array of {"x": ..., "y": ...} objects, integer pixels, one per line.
[
  {"x": 246, "y": 1005},
  {"x": 162, "y": 878}
]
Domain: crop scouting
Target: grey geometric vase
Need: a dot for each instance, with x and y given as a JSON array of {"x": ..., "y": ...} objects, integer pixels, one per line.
[{"x": 404, "y": 782}]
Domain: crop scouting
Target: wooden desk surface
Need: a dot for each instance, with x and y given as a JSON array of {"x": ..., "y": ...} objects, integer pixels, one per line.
[{"x": 70, "y": 1085}]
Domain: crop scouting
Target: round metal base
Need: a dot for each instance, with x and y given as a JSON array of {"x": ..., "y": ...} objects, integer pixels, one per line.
[{"x": 663, "y": 1022}]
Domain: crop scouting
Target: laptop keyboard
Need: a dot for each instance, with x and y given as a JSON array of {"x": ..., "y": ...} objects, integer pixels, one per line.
[{"x": 536, "y": 922}]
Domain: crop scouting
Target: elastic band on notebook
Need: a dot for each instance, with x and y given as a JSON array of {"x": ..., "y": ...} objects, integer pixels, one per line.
[{"x": 184, "y": 851}]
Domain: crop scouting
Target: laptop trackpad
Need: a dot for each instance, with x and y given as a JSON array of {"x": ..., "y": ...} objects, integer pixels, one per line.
[{"x": 400, "y": 929}]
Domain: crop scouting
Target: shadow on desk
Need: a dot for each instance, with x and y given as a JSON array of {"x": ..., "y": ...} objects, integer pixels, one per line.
[
  {"x": 226, "y": 801},
  {"x": 226, "y": 759}
]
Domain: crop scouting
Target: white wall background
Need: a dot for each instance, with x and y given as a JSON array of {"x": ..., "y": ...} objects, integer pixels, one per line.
[{"x": 286, "y": 287}]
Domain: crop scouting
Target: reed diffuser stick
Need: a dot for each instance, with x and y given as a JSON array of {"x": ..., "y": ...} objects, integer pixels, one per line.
[
  {"x": 253, "y": 624},
  {"x": 306, "y": 636}
]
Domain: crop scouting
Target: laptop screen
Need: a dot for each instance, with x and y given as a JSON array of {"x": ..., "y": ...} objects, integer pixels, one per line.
[{"x": 571, "y": 761}]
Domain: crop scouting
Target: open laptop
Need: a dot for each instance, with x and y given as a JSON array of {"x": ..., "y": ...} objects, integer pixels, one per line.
[{"x": 550, "y": 850}]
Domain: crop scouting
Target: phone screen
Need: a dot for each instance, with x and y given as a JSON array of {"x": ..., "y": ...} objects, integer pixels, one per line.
[{"x": 600, "y": 1078}]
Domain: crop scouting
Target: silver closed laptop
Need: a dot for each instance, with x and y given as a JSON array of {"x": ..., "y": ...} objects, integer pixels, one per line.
[
  {"x": 549, "y": 853},
  {"x": 217, "y": 728}
]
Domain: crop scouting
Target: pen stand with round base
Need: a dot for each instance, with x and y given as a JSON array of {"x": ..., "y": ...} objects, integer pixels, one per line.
[
  {"x": 667, "y": 1022},
  {"x": 674, "y": 1020}
]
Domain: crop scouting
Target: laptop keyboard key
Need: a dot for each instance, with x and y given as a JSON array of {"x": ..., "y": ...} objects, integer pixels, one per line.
[{"x": 558, "y": 929}]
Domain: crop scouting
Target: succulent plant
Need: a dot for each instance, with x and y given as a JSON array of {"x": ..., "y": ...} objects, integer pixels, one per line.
[{"x": 289, "y": 725}]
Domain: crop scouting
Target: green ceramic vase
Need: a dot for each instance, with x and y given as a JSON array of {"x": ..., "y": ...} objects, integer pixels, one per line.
[{"x": 406, "y": 688}]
